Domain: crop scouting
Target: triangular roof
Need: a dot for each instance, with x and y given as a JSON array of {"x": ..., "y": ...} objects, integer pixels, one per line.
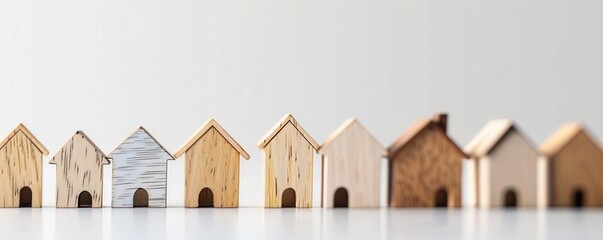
[
  {"x": 490, "y": 136},
  {"x": 31, "y": 137},
  {"x": 211, "y": 123},
  {"x": 288, "y": 118},
  {"x": 343, "y": 128},
  {"x": 148, "y": 134},
  {"x": 562, "y": 137},
  {"x": 418, "y": 127},
  {"x": 106, "y": 160}
]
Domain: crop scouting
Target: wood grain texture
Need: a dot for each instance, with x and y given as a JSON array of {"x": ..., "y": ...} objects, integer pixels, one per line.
[
  {"x": 351, "y": 160},
  {"x": 426, "y": 163},
  {"x": 419, "y": 127},
  {"x": 140, "y": 162},
  {"x": 285, "y": 120},
  {"x": 79, "y": 168},
  {"x": 211, "y": 123},
  {"x": 23, "y": 130},
  {"x": 575, "y": 165},
  {"x": 560, "y": 138},
  {"x": 510, "y": 164},
  {"x": 20, "y": 166},
  {"x": 212, "y": 162},
  {"x": 288, "y": 162}
]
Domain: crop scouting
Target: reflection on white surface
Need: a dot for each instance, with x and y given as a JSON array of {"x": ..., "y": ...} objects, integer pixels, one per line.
[{"x": 315, "y": 223}]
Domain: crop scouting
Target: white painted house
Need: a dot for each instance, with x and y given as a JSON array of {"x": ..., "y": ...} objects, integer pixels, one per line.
[{"x": 140, "y": 172}]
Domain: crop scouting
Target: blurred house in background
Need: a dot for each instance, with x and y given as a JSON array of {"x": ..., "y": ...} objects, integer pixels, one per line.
[
  {"x": 505, "y": 163},
  {"x": 425, "y": 166},
  {"x": 573, "y": 163}
]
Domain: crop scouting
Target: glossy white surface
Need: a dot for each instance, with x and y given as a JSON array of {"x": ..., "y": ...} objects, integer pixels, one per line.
[{"x": 315, "y": 223}]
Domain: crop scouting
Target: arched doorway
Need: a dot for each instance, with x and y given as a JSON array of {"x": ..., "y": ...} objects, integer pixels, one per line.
[
  {"x": 288, "y": 198},
  {"x": 341, "y": 198},
  {"x": 206, "y": 198},
  {"x": 510, "y": 200},
  {"x": 441, "y": 198},
  {"x": 25, "y": 197},
  {"x": 141, "y": 198},
  {"x": 578, "y": 198},
  {"x": 84, "y": 200}
]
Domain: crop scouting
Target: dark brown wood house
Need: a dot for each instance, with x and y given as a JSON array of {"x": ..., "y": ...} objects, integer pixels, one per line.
[{"x": 425, "y": 166}]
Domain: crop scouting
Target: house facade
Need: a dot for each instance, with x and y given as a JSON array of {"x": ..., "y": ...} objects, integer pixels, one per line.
[
  {"x": 574, "y": 168},
  {"x": 140, "y": 172},
  {"x": 425, "y": 167},
  {"x": 21, "y": 169},
  {"x": 351, "y": 167},
  {"x": 288, "y": 165},
  {"x": 79, "y": 174},
  {"x": 506, "y": 164},
  {"x": 212, "y": 167}
]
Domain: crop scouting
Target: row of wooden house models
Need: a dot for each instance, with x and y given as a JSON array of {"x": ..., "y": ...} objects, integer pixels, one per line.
[{"x": 424, "y": 168}]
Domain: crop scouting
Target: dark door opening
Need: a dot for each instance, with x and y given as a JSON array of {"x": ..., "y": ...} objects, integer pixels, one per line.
[
  {"x": 141, "y": 198},
  {"x": 25, "y": 197},
  {"x": 206, "y": 198},
  {"x": 288, "y": 199},
  {"x": 510, "y": 200},
  {"x": 578, "y": 198},
  {"x": 341, "y": 198},
  {"x": 84, "y": 200},
  {"x": 441, "y": 198}
]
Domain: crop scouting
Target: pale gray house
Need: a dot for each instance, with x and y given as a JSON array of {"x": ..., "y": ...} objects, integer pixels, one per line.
[{"x": 140, "y": 172}]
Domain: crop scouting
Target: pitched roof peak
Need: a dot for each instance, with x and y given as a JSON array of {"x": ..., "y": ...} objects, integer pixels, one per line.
[
  {"x": 345, "y": 126},
  {"x": 561, "y": 137},
  {"x": 106, "y": 160},
  {"x": 489, "y": 136},
  {"x": 288, "y": 118},
  {"x": 211, "y": 123},
  {"x": 148, "y": 134},
  {"x": 418, "y": 127},
  {"x": 28, "y": 134}
]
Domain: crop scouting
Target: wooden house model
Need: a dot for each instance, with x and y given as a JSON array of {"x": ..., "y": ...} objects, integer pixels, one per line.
[
  {"x": 506, "y": 166},
  {"x": 21, "y": 169},
  {"x": 79, "y": 173},
  {"x": 212, "y": 167},
  {"x": 573, "y": 163},
  {"x": 288, "y": 162},
  {"x": 425, "y": 166},
  {"x": 351, "y": 166},
  {"x": 140, "y": 172}
]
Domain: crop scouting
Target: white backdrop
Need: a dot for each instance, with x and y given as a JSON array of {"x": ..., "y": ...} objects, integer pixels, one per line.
[{"x": 108, "y": 66}]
